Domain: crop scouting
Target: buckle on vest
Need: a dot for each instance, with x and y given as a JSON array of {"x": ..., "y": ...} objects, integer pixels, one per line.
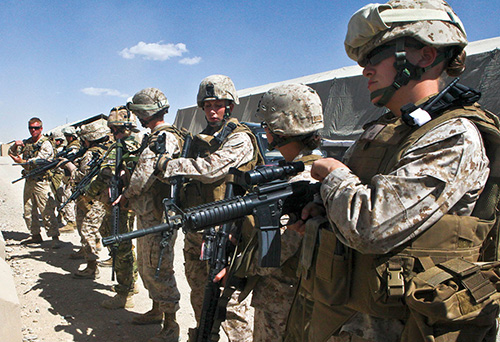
[{"x": 395, "y": 281}]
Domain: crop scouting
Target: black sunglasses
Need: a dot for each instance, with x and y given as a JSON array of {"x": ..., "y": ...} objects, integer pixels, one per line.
[{"x": 35, "y": 127}]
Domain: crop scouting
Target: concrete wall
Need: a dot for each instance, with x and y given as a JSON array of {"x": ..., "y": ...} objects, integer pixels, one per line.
[{"x": 10, "y": 309}]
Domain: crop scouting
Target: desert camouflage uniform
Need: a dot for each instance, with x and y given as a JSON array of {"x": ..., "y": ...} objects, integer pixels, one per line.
[
  {"x": 274, "y": 291},
  {"x": 449, "y": 161},
  {"x": 145, "y": 193},
  {"x": 124, "y": 258},
  {"x": 38, "y": 197},
  {"x": 64, "y": 191},
  {"x": 236, "y": 150},
  {"x": 89, "y": 213}
]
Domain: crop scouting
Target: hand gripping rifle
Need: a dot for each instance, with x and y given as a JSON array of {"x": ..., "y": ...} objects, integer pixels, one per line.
[
  {"x": 176, "y": 184},
  {"x": 115, "y": 192},
  {"x": 45, "y": 165},
  {"x": 95, "y": 166}
]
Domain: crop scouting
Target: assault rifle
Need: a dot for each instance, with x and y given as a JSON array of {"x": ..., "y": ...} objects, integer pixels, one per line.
[
  {"x": 45, "y": 165},
  {"x": 176, "y": 184},
  {"x": 115, "y": 192},
  {"x": 267, "y": 203},
  {"x": 94, "y": 165}
]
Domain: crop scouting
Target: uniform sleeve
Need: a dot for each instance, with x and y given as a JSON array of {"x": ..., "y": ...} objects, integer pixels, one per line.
[
  {"x": 443, "y": 172},
  {"x": 83, "y": 167},
  {"x": 46, "y": 151},
  {"x": 237, "y": 150},
  {"x": 143, "y": 175}
]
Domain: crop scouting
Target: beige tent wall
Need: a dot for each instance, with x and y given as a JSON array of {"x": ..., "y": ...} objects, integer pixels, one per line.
[{"x": 345, "y": 97}]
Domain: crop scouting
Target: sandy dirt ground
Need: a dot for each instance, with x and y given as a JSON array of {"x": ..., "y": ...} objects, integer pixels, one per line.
[{"x": 56, "y": 307}]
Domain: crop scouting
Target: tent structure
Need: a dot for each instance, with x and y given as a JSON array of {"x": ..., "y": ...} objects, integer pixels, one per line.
[{"x": 345, "y": 96}]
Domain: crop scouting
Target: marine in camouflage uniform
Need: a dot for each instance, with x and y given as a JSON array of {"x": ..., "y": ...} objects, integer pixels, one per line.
[
  {"x": 38, "y": 198},
  {"x": 224, "y": 143},
  {"x": 404, "y": 199},
  {"x": 145, "y": 194},
  {"x": 68, "y": 213},
  {"x": 123, "y": 126},
  {"x": 89, "y": 213},
  {"x": 292, "y": 115}
]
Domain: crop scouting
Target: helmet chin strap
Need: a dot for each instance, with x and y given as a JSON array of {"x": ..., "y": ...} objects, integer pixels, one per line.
[{"x": 406, "y": 71}]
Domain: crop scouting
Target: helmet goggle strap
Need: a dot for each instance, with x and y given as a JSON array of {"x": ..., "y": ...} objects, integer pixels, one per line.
[{"x": 406, "y": 71}]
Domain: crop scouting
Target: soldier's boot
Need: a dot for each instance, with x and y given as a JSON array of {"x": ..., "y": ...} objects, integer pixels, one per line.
[
  {"x": 34, "y": 239},
  {"x": 119, "y": 301},
  {"x": 153, "y": 316},
  {"x": 105, "y": 263},
  {"x": 89, "y": 272},
  {"x": 134, "y": 290},
  {"x": 79, "y": 254},
  {"x": 98, "y": 244},
  {"x": 170, "y": 330},
  {"x": 68, "y": 228},
  {"x": 56, "y": 243}
]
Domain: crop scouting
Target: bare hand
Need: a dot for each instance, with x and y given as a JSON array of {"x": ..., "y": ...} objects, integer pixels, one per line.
[
  {"x": 17, "y": 159},
  {"x": 322, "y": 168},
  {"x": 221, "y": 276},
  {"x": 312, "y": 210},
  {"x": 299, "y": 227}
]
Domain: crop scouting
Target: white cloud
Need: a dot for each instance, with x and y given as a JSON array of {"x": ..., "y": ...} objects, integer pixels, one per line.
[
  {"x": 103, "y": 92},
  {"x": 190, "y": 61},
  {"x": 154, "y": 51}
]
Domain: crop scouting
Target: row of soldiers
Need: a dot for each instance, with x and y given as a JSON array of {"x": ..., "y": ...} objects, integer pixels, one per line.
[{"x": 386, "y": 251}]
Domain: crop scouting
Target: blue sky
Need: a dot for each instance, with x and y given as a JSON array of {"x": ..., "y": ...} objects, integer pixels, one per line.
[{"x": 67, "y": 60}]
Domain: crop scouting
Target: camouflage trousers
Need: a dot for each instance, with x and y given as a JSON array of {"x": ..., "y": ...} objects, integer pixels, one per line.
[
  {"x": 164, "y": 288},
  {"x": 238, "y": 325},
  {"x": 68, "y": 213},
  {"x": 39, "y": 201},
  {"x": 124, "y": 256},
  {"x": 272, "y": 299},
  {"x": 89, "y": 216}
]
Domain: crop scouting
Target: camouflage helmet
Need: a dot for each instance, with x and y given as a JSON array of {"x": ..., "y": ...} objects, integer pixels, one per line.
[
  {"x": 431, "y": 22},
  {"x": 94, "y": 131},
  {"x": 69, "y": 130},
  {"x": 121, "y": 116},
  {"x": 148, "y": 102},
  {"x": 216, "y": 87},
  {"x": 291, "y": 109},
  {"x": 57, "y": 135}
]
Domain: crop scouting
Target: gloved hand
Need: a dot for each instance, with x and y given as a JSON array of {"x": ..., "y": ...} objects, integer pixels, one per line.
[
  {"x": 161, "y": 162},
  {"x": 157, "y": 143}
]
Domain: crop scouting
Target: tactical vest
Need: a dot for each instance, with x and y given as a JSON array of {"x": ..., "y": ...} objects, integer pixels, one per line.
[
  {"x": 31, "y": 149},
  {"x": 160, "y": 190},
  {"x": 196, "y": 193},
  {"x": 379, "y": 282}
]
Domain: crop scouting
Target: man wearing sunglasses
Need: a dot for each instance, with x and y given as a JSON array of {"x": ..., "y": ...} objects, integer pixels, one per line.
[{"x": 38, "y": 198}]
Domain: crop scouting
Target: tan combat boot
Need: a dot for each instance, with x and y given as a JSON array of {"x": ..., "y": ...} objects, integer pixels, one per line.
[
  {"x": 119, "y": 301},
  {"x": 34, "y": 239},
  {"x": 68, "y": 228},
  {"x": 79, "y": 254},
  {"x": 170, "y": 330},
  {"x": 153, "y": 316},
  {"x": 89, "y": 272}
]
